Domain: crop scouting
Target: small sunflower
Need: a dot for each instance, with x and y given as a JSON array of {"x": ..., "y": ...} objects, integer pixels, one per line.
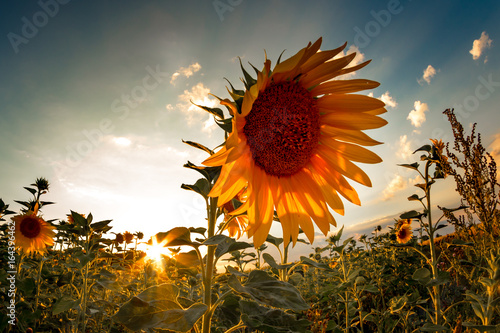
[
  {"x": 295, "y": 133},
  {"x": 33, "y": 234},
  {"x": 404, "y": 234}
]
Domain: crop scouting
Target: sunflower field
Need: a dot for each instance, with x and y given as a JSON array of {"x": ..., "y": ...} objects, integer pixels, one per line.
[{"x": 290, "y": 143}]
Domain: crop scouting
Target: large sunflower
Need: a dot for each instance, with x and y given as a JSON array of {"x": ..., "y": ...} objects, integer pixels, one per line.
[
  {"x": 33, "y": 234},
  {"x": 294, "y": 136}
]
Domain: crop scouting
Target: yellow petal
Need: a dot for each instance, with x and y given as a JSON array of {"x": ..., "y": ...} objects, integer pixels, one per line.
[
  {"x": 352, "y": 152},
  {"x": 290, "y": 63},
  {"x": 313, "y": 201},
  {"x": 334, "y": 179},
  {"x": 320, "y": 58},
  {"x": 332, "y": 198},
  {"x": 348, "y": 102},
  {"x": 298, "y": 216},
  {"x": 346, "y": 120},
  {"x": 343, "y": 165},
  {"x": 217, "y": 159},
  {"x": 343, "y": 87},
  {"x": 353, "y": 68},
  {"x": 325, "y": 71},
  {"x": 354, "y": 136}
]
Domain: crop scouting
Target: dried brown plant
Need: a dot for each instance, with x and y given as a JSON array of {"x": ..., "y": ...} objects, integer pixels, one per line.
[{"x": 475, "y": 174}]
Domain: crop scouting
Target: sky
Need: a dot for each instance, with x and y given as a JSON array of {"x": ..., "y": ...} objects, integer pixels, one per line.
[{"x": 95, "y": 95}]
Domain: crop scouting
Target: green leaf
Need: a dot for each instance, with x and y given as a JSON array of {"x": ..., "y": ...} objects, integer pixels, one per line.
[
  {"x": 412, "y": 214},
  {"x": 422, "y": 275},
  {"x": 84, "y": 258},
  {"x": 233, "y": 271},
  {"x": 481, "y": 328},
  {"x": 260, "y": 318},
  {"x": 101, "y": 226},
  {"x": 429, "y": 327},
  {"x": 413, "y": 166},
  {"x": 414, "y": 197},
  {"x": 336, "y": 238},
  {"x": 64, "y": 304},
  {"x": 174, "y": 237},
  {"x": 267, "y": 290},
  {"x": 426, "y": 148},
  {"x": 112, "y": 285},
  {"x": 269, "y": 259},
  {"x": 215, "y": 240},
  {"x": 227, "y": 244},
  {"x": 187, "y": 259},
  {"x": 79, "y": 220},
  {"x": 199, "y": 146},
  {"x": 199, "y": 230},
  {"x": 31, "y": 190},
  {"x": 443, "y": 277},
  {"x": 157, "y": 307},
  {"x": 310, "y": 262},
  {"x": 274, "y": 240}
]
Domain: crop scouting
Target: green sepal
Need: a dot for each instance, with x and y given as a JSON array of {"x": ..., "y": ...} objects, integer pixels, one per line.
[
  {"x": 199, "y": 146},
  {"x": 216, "y": 112},
  {"x": 248, "y": 81},
  {"x": 202, "y": 186}
]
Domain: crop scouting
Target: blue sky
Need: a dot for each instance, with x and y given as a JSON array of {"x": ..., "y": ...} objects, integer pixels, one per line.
[{"x": 95, "y": 94}]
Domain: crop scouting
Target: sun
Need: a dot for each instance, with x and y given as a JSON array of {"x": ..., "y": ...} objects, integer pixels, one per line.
[{"x": 157, "y": 251}]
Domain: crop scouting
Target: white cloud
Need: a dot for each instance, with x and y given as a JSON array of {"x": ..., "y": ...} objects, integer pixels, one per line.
[
  {"x": 429, "y": 73},
  {"x": 185, "y": 71},
  {"x": 404, "y": 151},
  {"x": 398, "y": 183},
  {"x": 479, "y": 45},
  {"x": 417, "y": 116},
  {"x": 199, "y": 94},
  {"x": 387, "y": 99}
]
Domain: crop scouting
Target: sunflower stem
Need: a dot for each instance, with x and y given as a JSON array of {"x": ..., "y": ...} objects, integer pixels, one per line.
[
  {"x": 435, "y": 289},
  {"x": 209, "y": 267}
]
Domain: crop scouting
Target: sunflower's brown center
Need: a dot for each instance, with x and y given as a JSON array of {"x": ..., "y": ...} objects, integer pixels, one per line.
[
  {"x": 282, "y": 129},
  {"x": 30, "y": 227}
]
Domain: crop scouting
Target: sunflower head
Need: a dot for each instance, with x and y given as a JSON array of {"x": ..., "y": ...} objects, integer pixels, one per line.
[
  {"x": 33, "y": 234},
  {"x": 404, "y": 234},
  {"x": 128, "y": 237},
  {"x": 119, "y": 238},
  {"x": 296, "y": 131}
]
